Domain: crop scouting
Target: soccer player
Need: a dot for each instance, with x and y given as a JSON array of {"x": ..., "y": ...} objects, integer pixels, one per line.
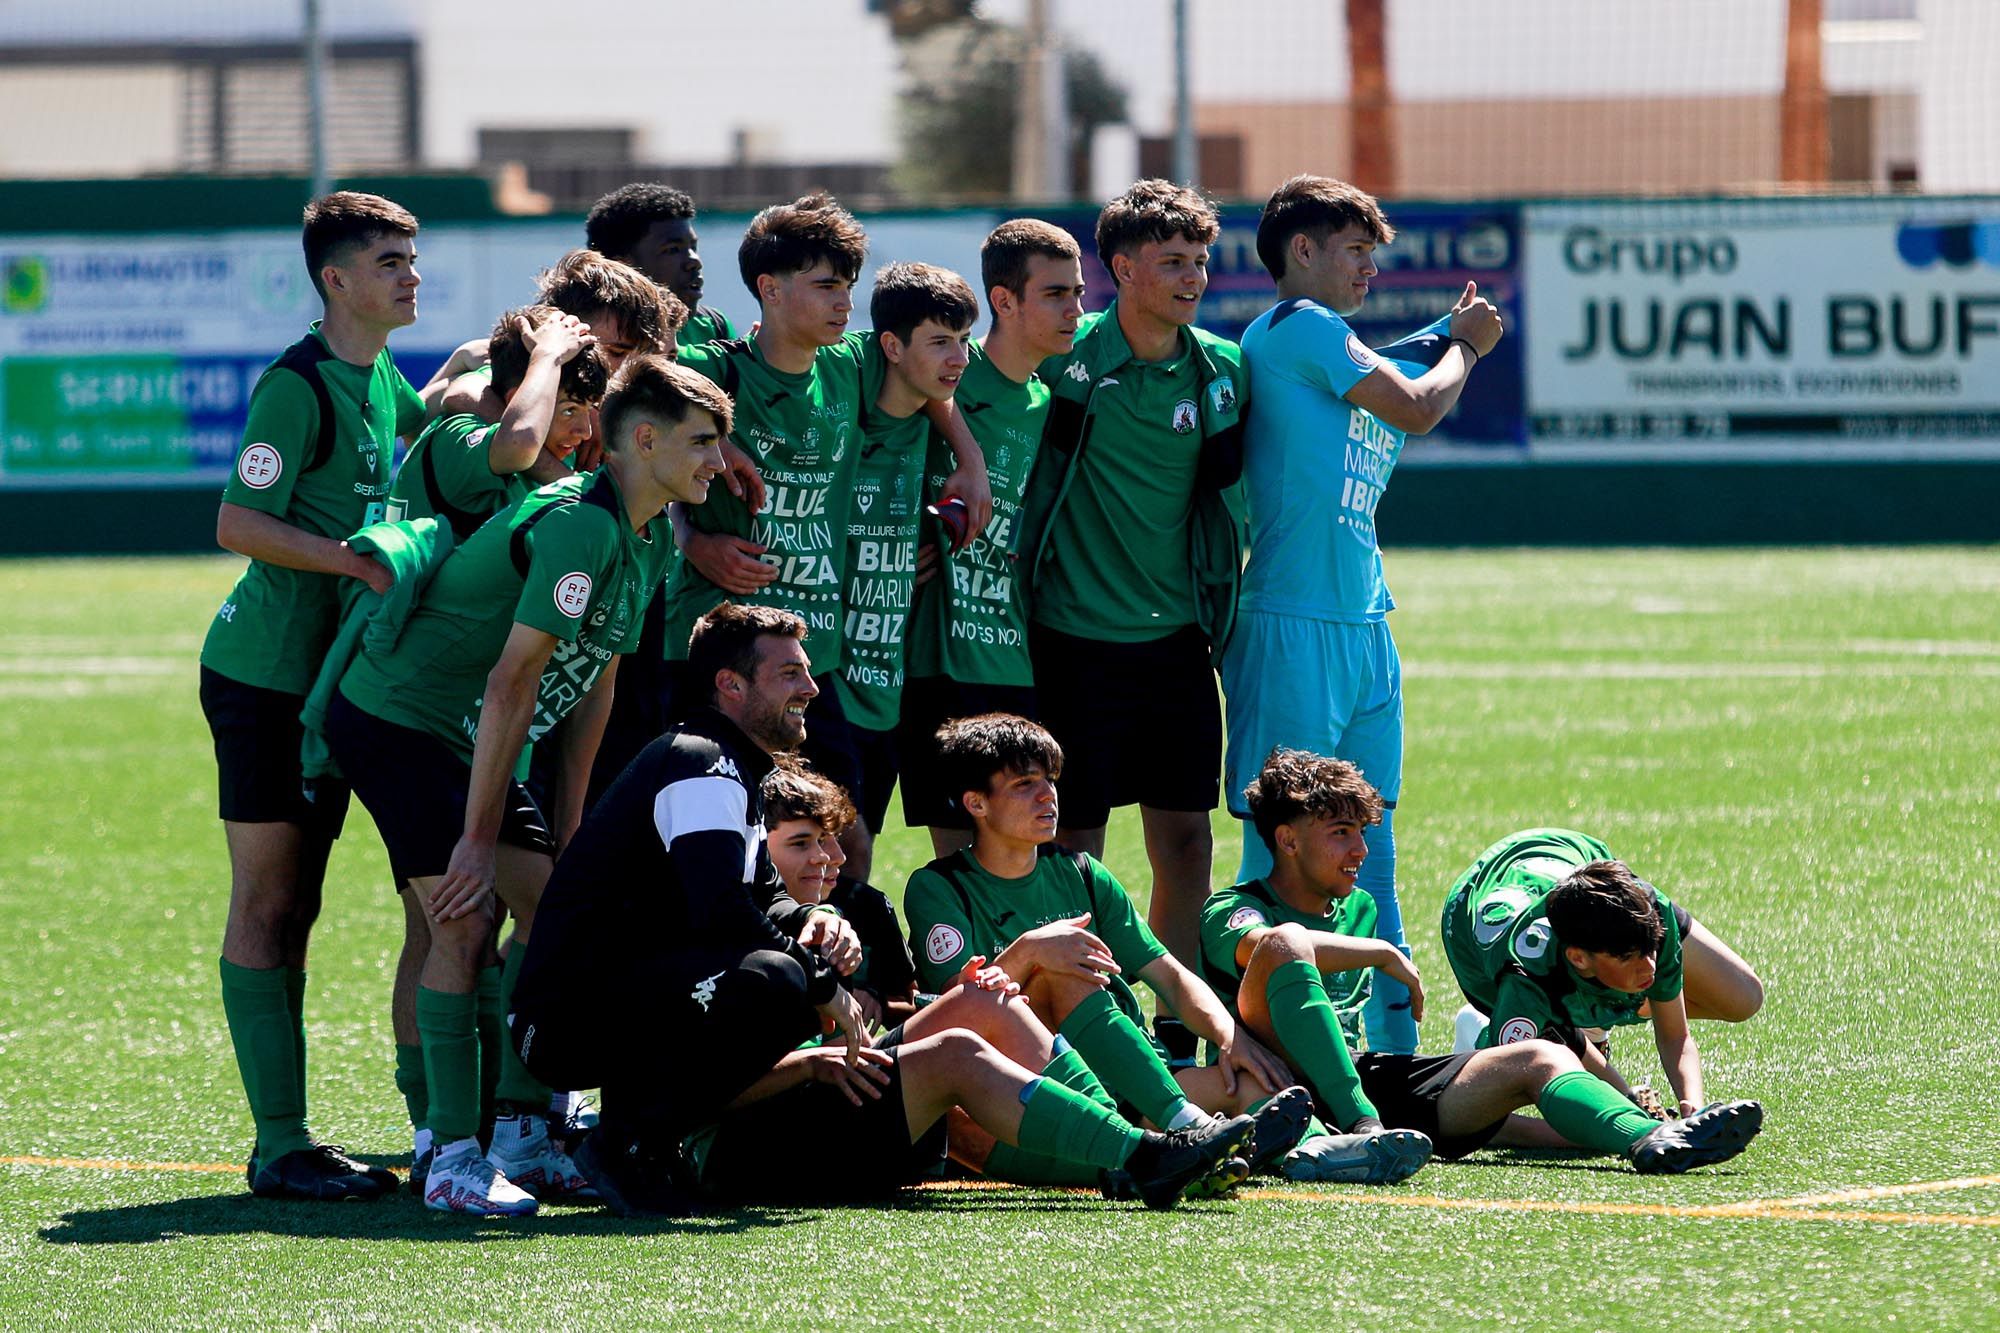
[
  {"x": 651, "y": 227},
  {"x": 968, "y": 632},
  {"x": 313, "y": 467},
  {"x": 1551, "y": 936},
  {"x": 1133, "y": 548},
  {"x": 966, "y": 1061},
  {"x": 804, "y": 818},
  {"x": 1312, "y": 665},
  {"x": 549, "y": 377},
  {"x": 1295, "y": 952},
  {"x": 799, "y": 389},
  {"x": 923, "y": 319},
  {"x": 669, "y": 967},
  {"x": 519, "y": 628},
  {"x": 1060, "y": 924}
]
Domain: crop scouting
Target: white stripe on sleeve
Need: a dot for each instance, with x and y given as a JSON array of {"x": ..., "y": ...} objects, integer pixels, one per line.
[{"x": 699, "y": 805}]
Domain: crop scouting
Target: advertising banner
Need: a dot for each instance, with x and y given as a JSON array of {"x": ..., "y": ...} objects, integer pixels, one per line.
[
  {"x": 130, "y": 359},
  {"x": 1858, "y": 326}
]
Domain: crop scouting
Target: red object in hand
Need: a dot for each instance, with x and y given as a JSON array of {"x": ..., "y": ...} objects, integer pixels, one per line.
[{"x": 953, "y": 517}]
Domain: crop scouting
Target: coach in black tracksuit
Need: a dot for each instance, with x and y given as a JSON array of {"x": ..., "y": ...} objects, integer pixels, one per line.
[{"x": 668, "y": 966}]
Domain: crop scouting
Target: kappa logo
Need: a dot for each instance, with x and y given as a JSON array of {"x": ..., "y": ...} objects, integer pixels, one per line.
[
  {"x": 1533, "y": 942},
  {"x": 943, "y": 944},
  {"x": 1516, "y": 1029},
  {"x": 1075, "y": 370},
  {"x": 572, "y": 594},
  {"x": 1222, "y": 396},
  {"x": 704, "y": 993},
  {"x": 1186, "y": 414},
  {"x": 259, "y": 466},
  {"x": 1244, "y": 917},
  {"x": 1360, "y": 354},
  {"x": 726, "y": 767}
]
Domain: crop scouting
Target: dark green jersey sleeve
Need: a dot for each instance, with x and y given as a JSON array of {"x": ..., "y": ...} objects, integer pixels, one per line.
[
  {"x": 1114, "y": 920},
  {"x": 1226, "y": 918},
  {"x": 279, "y": 437},
  {"x": 410, "y": 409},
  {"x": 1522, "y": 1011},
  {"x": 940, "y": 933},
  {"x": 569, "y": 551}
]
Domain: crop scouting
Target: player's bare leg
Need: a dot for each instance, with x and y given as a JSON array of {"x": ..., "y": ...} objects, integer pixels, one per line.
[
  {"x": 945, "y": 841},
  {"x": 1089, "y": 840},
  {"x": 1181, "y": 848},
  {"x": 1497, "y": 1081},
  {"x": 275, "y": 874},
  {"x": 1715, "y": 981}
]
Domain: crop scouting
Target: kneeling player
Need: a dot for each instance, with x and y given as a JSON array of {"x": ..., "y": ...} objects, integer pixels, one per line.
[
  {"x": 1550, "y": 936},
  {"x": 1296, "y": 948},
  {"x": 1061, "y": 925}
]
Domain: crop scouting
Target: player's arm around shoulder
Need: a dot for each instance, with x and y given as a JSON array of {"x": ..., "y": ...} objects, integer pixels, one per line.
[{"x": 1415, "y": 407}]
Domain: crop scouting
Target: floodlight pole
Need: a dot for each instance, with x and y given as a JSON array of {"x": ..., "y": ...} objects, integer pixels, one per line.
[
  {"x": 315, "y": 52},
  {"x": 1187, "y": 163}
]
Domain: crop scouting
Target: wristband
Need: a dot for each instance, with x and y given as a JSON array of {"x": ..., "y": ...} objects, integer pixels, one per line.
[{"x": 1470, "y": 348}]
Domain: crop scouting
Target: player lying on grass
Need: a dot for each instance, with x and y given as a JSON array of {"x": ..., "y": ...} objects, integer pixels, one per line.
[
  {"x": 668, "y": 967},
  {"x": 1061, "y": 925},
  {"x": 1296, "y": 949},
  {"x": 805, "y": 815},
  {"x": 518, "y": 628},
  {"x": 1550, "y": 936}
]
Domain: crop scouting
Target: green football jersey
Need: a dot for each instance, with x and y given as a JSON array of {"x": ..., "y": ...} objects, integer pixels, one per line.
[
  {"x": 1116, "y": 564},
  {"x": 446, "y": 474},
  {"x": 587, "y": 580},
  {"x": 1509, "y": 962},
  {"x": 705, "y": 324},
  {"x": 1230, "y": 914},
  {"x": 277, "y": 623},
  {"x": 957, "y": 909},
  {"x": 881, "y": 564},
  {"x": 803, "y": 431},
  {"x": 971, "y": 621}
]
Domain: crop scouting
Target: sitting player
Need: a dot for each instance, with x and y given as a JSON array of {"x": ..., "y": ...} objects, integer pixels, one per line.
[
  {"x": 1295, "y": 950},
  {"x": 1061, "y": 925},
  {"x": 972, "y": 1056},
  {"x": 1549, "y": 935},
  {"x": 805, "y": 815}
]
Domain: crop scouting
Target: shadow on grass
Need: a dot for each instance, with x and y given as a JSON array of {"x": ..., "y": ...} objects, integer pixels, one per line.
[
  {"x": 400, "y": 1218},
  {"x": 1567, "y": 1160}
]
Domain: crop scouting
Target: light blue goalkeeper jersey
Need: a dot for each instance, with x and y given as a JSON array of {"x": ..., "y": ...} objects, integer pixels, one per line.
[{"x": 1315, "y": 465}]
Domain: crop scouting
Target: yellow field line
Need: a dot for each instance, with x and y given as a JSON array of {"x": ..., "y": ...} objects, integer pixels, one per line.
[
  {"x": 1802, "y": 1208},
  {"x": 1884, "y": 1192}
]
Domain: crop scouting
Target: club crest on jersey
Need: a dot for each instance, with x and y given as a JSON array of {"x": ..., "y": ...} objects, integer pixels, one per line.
[
  {"x": 1245, "y": 916},
  {"x": 259, "y": 466},
  {"x": 1516, "y": 1029},
  {"x": 943, "y": 943},
  {"x": 1186, "y": 414},
  {"x": 1222, "y": 396},
  {"x": 572, "y": 594}
]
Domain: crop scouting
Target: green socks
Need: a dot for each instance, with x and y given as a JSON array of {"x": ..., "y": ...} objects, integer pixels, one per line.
[
  {"x": 492, "y": 1040},
  {"x": 1119, "y": 1054},
  {"x": 267, "y": 1035},
  {"x": 1309, "y": 1030},
  {"x": 295, "y": 995},
  {"x": 516, "y": 1083},
  {"x": 1589, "y": 1112},
  {"x": 1068, "y": 1068},
  {"x": 410, "y": 1082},
  {"x": 1007, "y": 1162},
  {"x": 1059, "y": 1122},
  {"x": 449, "y": 1027}
]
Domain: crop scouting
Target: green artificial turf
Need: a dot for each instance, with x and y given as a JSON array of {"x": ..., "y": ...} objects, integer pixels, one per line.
[{"x": 1804, "y": 746}]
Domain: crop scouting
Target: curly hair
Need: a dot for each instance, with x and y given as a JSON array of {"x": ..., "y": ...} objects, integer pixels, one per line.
[
  {"x": 795, "y": 790},
  {"x": 1295, "y": 784}
]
